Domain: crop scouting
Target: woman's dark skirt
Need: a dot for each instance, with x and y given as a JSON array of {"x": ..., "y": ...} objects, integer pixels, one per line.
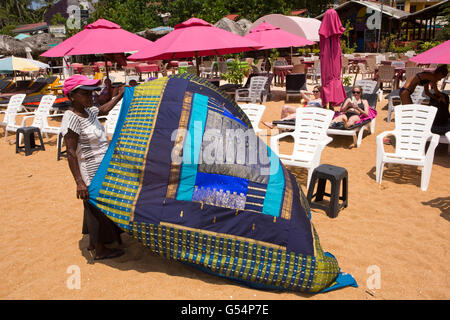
[{"x": 99, "y": 227}]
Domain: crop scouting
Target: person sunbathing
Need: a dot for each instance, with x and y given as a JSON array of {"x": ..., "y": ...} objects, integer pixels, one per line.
[
  {"x": 422, "y": 79},
  {"x": 352, "y": 109},
  {"x": 312, "y": 99}
]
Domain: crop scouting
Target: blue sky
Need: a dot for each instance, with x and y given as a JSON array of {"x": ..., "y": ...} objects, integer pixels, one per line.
[{"x": 35, "y": 5}]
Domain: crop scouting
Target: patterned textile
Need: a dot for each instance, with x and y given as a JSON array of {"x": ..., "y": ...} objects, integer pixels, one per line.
[{"x": 185, "y": 176}]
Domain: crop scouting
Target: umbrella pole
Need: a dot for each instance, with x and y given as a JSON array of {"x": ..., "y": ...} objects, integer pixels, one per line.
[
  {"x": 197, "y": 64},
  {"x": 106, "y": 67}
]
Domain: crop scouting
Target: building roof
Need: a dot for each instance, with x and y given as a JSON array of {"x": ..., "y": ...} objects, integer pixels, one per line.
[
  {"x": 31, "y": 27},
  {"x": 428, "y": 12},
  {"x": 390, "y": 11},
  {"x": 298, "y": 12},
  {"x": 232, "y": 17}
]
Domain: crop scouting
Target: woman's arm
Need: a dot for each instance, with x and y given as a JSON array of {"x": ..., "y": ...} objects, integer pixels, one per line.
[
  {"x": 346, "y": 105},
  {"x": 429, "y": 93},
  {"x": 364, "y": 112},
  {"x": 107, "y": 107},
  {"x": 71, "y": 140},
  {"x": 305, "y": 95}
]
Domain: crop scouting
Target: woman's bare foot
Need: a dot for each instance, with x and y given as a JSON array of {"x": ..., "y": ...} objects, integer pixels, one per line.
[
  {"x": 345, "y": 123},
  {"x": 268, "y": 124}
]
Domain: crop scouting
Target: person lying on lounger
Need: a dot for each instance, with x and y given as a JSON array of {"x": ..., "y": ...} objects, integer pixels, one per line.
[
  {"x": 312, "y": 99},
  {"x": 353, "y": 108}
]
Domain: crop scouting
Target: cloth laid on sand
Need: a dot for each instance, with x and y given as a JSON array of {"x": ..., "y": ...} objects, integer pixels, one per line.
[{"x": 185, "y": 176}]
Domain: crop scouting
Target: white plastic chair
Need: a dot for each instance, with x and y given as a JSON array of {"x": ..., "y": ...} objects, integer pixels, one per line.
[
  {"x": 417, "y": 97},
  {"x": 386, "y": 74},
  {"x": 135, "y": 78},
  {"x": 206, "y": 69},
  {"x": 368, "y": 86},
  {"x": 254, "y": 112},
  {"x": 314, "y": 71},
  {"x": 40, "y": 115},
  {"x": 254, "y": 91},
  {"x": 111, "y": 119},
  {"x": 9, "y": 119},
  {"x": 412, "y": 130},
  {"x": 310, "y": 138}
]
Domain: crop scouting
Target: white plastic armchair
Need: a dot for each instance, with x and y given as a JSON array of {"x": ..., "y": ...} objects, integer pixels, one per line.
[
  {"x": 9, "y": 115},
  {"x": 111, "y": 119},
  {"x": 417, "y": 97},
  {"x": 412, "y": 130},
  {"x": 254, "y": 112},
  {"x": 310, "y": 138},
  {"x": 254, "y": 92},
  {"x": 368, "y": 86},
  {"x": 40, "y": 115}
]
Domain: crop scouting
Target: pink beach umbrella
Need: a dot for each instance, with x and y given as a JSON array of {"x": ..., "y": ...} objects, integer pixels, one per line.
[
  {"x": 330, "y": 32},
  {"x": 271, "y": 36},
  {"x": 100, "y": 37},
  {"x": 194, "y": 38},
  {"x": 438, "y": 54}
]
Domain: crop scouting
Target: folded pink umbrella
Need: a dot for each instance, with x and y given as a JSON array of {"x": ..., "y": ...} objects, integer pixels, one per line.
[
  {"x": 102, "y": 36},
  {"x": 195, "y": 37},
  {"x": 330, "y": 32},
  {"x": 438, "y": 54},
  {"x": 271, "y": 36}
]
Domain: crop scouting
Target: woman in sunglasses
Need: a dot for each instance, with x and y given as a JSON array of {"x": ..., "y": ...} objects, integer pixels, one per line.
[
  {"x": 352, "y": 109},
  {"x": 312, "y": 99}
]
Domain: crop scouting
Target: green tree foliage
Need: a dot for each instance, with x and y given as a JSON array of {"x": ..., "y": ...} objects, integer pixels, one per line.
[
  {"x": 15, "y": 12},
  {"x": 131, "y": 15},
  {"x": 445, "y": 33}
]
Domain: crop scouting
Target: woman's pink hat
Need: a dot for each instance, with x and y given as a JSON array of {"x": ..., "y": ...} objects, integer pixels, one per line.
[{"x": 79, "y": 81}]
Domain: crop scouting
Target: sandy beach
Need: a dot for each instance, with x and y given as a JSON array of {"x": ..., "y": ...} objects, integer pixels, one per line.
[{"x": 395, "y": 228}]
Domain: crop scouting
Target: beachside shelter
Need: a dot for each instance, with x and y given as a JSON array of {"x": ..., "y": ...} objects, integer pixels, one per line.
[
  {"x": 365, "y": 18},
  {"x": 304, "y": 27},
  {"x": 423, "y": 24}
]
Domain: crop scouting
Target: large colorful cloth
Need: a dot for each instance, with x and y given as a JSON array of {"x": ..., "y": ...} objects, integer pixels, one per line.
[{"x": 186, "y": 176}]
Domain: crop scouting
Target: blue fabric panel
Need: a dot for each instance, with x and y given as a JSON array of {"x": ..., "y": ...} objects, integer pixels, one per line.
[
  {"x": 229, "y": 115},
  {"x": 97, "y": 181},
  {"x": 343, "y": 279},
  {"x": 158, "y": 162},
  {"x": 300, "y": 240},
  {"x": 219, "y": 181},
  {"x": 226, "y": 221},
  {"x": 192, "y": 146},
  {"x": 275, "y": 187}
]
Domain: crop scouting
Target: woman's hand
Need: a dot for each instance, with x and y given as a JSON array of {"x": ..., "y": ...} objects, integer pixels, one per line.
[{"x": 82, "y": 191}]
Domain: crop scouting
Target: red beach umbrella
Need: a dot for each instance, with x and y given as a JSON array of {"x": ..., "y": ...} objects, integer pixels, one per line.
[
  {"x": 438, "y": 54},
  {"x": 100, "y": 37},
  {"x": 193, "y": 38},
  {"x": 330, "y": 32}
]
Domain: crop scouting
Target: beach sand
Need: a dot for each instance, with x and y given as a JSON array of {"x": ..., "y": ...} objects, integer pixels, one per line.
[{"x": 394, "y": 228}]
